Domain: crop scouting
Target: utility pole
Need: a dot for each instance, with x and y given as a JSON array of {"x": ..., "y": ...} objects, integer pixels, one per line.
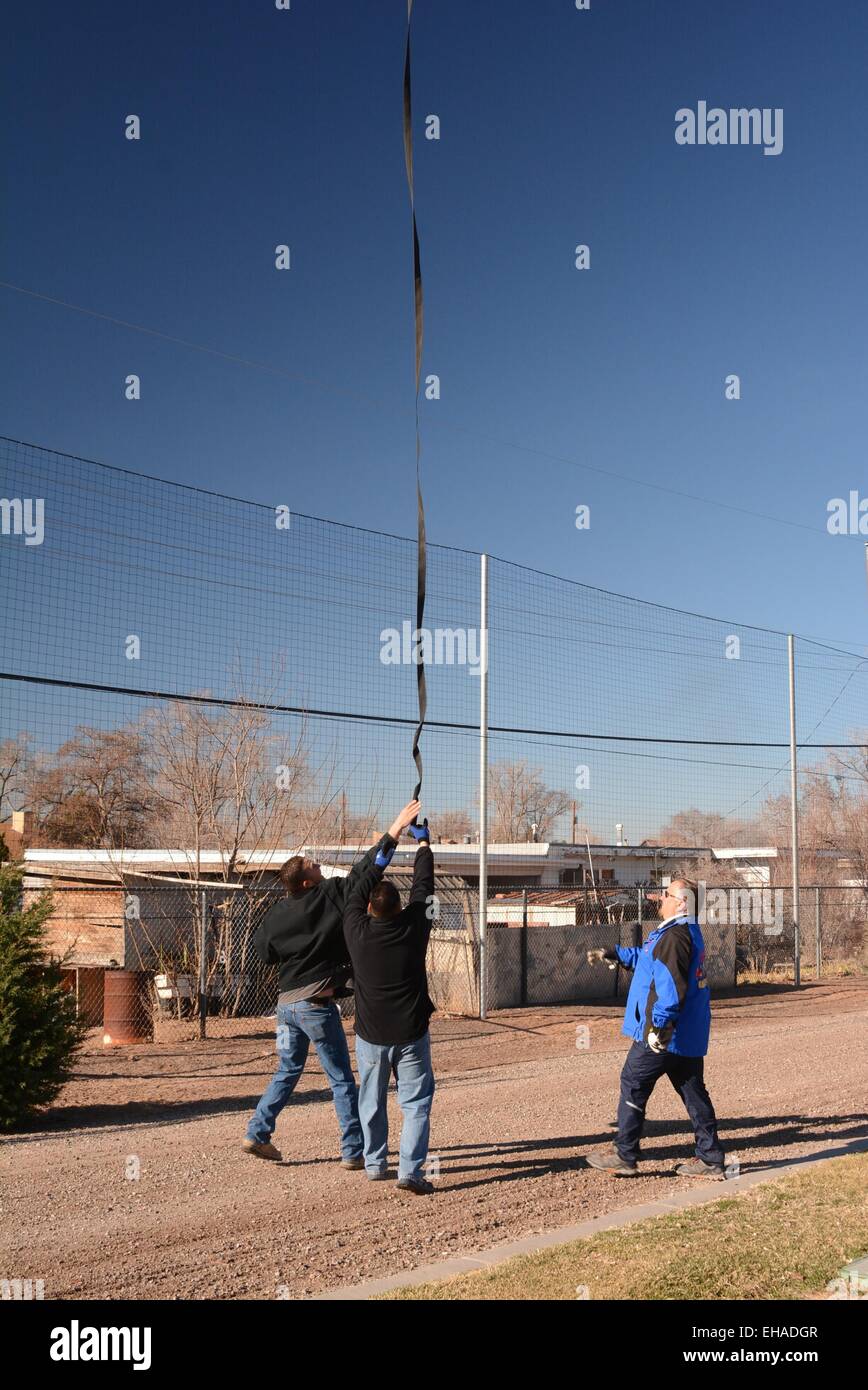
[
  {"x": 794, "y": 814},
  {"x": 483, "y": 787}
]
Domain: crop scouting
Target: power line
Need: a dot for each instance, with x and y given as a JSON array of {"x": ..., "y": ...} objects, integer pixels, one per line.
[{"x": 228, "y": 702}]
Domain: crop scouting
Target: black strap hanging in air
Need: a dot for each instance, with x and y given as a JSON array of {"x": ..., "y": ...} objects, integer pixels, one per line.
[{"x": 421, "y": 569}]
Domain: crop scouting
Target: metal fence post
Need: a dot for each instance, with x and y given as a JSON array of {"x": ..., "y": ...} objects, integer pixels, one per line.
[
  {"x": 523, "y": 994},
  {"x": 637, "y": 932},
  {"x": 794, "y": 815},
  {"x": 818, "y": 930},
  {"x": 203, "y": 966},
  {"x": 483, "y": 786}
]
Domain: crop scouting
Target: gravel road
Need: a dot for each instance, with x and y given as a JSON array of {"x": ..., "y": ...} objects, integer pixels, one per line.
[{"x": 135, "y": 1185}]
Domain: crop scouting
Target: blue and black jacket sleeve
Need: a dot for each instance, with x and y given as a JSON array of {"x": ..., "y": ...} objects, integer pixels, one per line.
[
  {"x": 358, "y": 884},
  {"x": 362, "y": 876}
]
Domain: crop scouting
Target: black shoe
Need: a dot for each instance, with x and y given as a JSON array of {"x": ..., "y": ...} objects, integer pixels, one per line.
[
  {"x": 610, "y": 1161},
  {"x": 354, "y": 1164},
  {"x": 421, "y": 1187}
]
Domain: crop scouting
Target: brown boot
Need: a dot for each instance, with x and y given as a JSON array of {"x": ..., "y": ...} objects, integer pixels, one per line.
[
  {"x": 266, "y": 1150},
  {"x": 610, "y": 1161},
  {"x": 698, "y": 1168}
]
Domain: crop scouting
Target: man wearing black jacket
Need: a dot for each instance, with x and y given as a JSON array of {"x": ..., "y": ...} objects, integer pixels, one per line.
[
  {"x": 303, "y": 935},
  {"x": 387, "y": 946}
]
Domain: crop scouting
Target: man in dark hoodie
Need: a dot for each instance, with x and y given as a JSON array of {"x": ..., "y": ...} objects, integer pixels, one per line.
[
  {"x": 303, "y": 935},
  {"x": 387, "y": 945}
]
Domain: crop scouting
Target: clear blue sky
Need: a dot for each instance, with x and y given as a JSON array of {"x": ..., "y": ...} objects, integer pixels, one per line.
[{"x": 262, "y": 127}]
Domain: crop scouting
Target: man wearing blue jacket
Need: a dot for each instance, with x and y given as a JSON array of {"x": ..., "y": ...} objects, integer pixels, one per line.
[{"x": 668, "y": 1016}]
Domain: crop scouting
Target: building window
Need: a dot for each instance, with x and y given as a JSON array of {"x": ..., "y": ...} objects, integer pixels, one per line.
[{"x": 570, "y": 878}]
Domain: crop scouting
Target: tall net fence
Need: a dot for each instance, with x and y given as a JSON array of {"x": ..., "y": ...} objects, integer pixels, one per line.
[
  {"x": 195, "y": 687},
  {"x": 169, "y": 615},
  {"x": 652, "y": 724}
]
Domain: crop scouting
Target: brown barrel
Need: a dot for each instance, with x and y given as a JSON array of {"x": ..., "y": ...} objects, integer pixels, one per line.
[{"x": 126, "y": 1016}]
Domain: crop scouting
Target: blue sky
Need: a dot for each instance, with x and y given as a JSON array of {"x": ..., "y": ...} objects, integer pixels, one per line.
[
  {"x": 559, "y": 387},
  {"x": 262, "y": 127}
]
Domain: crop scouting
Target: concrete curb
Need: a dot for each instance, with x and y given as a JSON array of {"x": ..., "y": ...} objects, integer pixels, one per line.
[{"x": 626, "y": 1216}]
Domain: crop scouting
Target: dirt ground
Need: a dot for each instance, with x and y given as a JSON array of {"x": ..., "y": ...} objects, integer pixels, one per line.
[{"x": 518, "y": 1105}]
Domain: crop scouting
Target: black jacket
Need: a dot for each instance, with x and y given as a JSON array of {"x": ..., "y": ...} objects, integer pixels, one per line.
[
  {"x": 393, "y": 1006},
  {"x": 303, "y": 933}
]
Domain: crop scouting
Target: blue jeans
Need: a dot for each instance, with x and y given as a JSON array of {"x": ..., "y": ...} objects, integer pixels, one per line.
[
  {"x": 642, "y": 1070},
  {"x": 411, "y": 1066},
  {"x": 299, "y": 1025}
]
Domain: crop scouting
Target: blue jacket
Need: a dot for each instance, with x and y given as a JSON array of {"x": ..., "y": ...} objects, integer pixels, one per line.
[{"x": 669, "y": 991}]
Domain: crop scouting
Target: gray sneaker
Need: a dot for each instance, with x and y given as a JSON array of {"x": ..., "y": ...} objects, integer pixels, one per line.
[
  {"x": 420, "y": 1187},
  {"x": 698, "y": 1168},
  {"x": 377, "y": 1174},
  {"x": 610, "y": 1161}
]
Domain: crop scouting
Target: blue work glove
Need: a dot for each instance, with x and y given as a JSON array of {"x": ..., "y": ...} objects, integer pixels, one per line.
[
  {"x": 421, "y": 834},
  {"x": 383, "y": 857}
]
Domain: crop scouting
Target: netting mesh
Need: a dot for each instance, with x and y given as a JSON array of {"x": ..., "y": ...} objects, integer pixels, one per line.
[
  {"x": 195, "y": 687},
  {"x": 628, "y": 707}
]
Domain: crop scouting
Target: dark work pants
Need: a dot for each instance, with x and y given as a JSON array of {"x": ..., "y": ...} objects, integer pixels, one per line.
[{"x": 641, "y": 1072}]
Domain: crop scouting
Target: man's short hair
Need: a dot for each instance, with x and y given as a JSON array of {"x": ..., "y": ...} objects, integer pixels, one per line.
[
  {"x": 292, "y": 874},
  {"x": 687, "y": 890},
  {"x": 385, "y": 899}
]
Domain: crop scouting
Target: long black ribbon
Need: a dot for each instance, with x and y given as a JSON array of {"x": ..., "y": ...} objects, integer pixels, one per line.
[{"x": 421, "y": 565}]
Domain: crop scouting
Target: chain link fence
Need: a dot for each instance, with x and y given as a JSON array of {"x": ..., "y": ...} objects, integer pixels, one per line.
[
  {"x": 134, "y": 955},
  {"x": 174, "y": 963},
  {"x": 538, "y": 940}
]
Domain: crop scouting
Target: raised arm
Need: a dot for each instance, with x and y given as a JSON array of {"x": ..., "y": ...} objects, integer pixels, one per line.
[
  {"x": 356, "y": 910},
  {"x": 423, "y": 876},
  {"x": 356, "y": 900},
  {"x": 422, "y": 890},
  {"x": 366, "y": 873}
]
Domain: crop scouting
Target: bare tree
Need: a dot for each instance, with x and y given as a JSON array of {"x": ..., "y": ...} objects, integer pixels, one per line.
[
  {"x": 772, "y": 824},
  {"x": 695, "y": 829},
  {"x": 452, "y": 825},
  {"x": 329, "y": 821},
  {"x": 14, "y": 761},
  {"x": 225, "y": 781},
  {"x": 833, "y": 846},
  {"x": 93, "y": 793},
  {"x": 519, "y": 800}
]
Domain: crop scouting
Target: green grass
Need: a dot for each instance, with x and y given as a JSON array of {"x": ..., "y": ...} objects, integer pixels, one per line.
[{"x": 782, "y": 1240}]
